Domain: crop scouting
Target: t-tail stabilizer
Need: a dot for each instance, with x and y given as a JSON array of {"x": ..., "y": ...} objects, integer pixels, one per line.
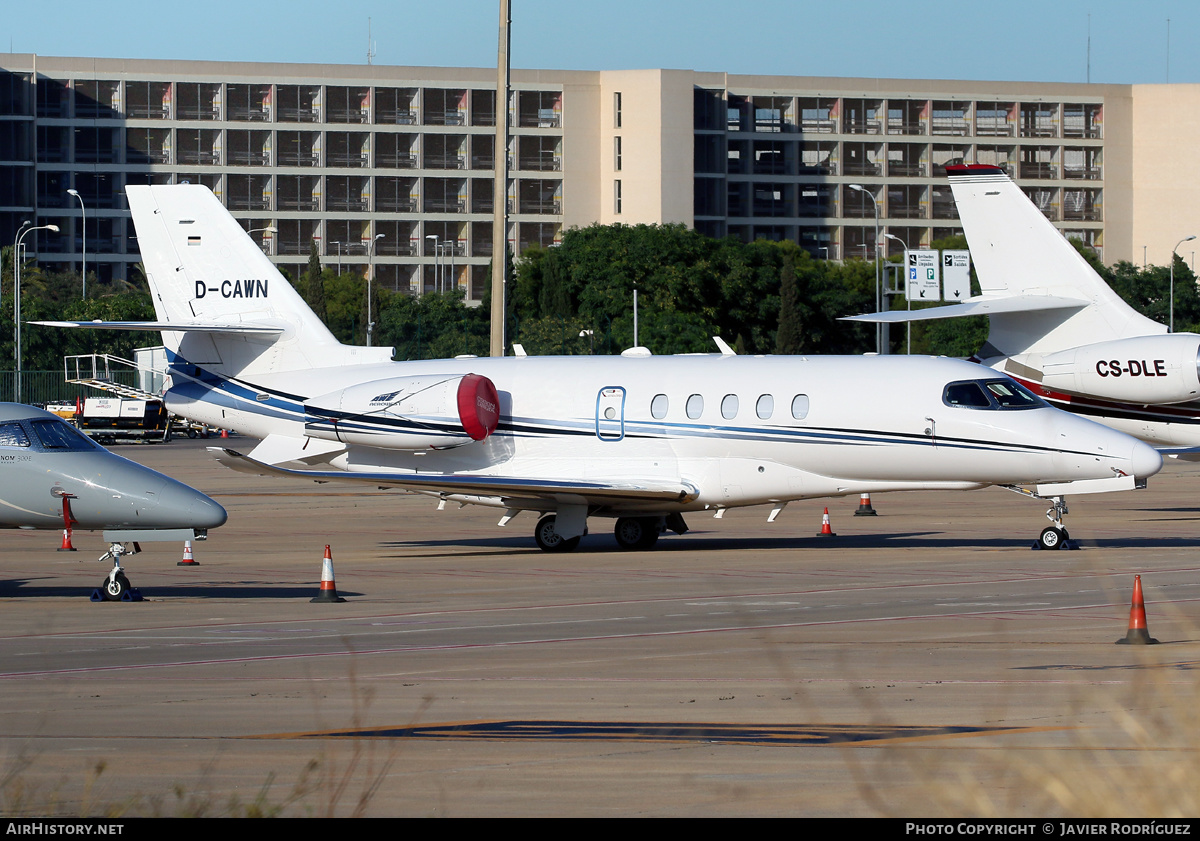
[
  {"x": 218, "y": 300},
  {"x": 1039, "y": 294},
  {"x": 1053, "y": 321}
]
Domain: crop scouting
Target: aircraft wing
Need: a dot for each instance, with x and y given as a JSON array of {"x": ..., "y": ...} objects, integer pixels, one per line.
[
  {"x": 475, "y": 485},
  {"x": 973, "y": 306},
  {"x": 1181, "y": 453},
  {"x": 246, "y": 328}
]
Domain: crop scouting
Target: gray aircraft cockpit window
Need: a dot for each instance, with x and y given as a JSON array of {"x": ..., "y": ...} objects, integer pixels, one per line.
[
  {"x": 990, "y": 394},
  {"x": 12, "y": 435},
  {"x": 61, "y": 436}
]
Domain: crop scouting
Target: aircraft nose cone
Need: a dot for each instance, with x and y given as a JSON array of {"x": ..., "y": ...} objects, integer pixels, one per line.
[
  {"x": 1145, "y": 459},
  {"x": 182, "y": 507}
]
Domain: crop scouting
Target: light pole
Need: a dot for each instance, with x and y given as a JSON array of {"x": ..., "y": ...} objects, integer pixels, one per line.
[
  {"x": 17, "y": 298},
  {"x": 878, "y": 289},
  {"x": 370, "y": 280},
  {"x": 1171, "y": 326},
  {"x": 904, "y": 266},
  {"x": 270, "y": 229},
  {"x": 437, "y": 266},
  {"x": 635, "y": 324},
  {"x": 339, "y": 245},
  {"x": 83, "y": 214}
]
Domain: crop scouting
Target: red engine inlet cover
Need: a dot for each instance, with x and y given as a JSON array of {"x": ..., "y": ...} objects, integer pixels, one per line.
[{"x": 478, "y": 406}]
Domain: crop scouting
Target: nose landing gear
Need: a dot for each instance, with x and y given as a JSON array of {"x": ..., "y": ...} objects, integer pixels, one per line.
[
  {"x": 1055, "y": 536},
  {"x": 115, "y": 587}
]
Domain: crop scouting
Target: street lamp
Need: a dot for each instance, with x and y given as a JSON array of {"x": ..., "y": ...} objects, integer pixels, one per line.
[
  {"x": 908, "y": 324},
  {"x": 370, "y": 279},
  {"x": 878, "y": 289},
  {"x": 17, "y": 298},
  {"x": 1171, "y": 326},
  {"x": 83, "y": 213},
  {"x": 437, "y": 266},
  {"x": 339, "y": 245},
  {"x": 270, "y": 229}
]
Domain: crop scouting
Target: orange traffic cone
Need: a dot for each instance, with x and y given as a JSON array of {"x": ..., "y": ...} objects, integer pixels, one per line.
[
  {"x": 188, "y": 560},
  {"x": 328, "y": 592},
  {"x": 1138, "y": 634},
  {"x": 826, "y": 531},
  {"x": 224, "y": 433},
  {"x": 67, "y": 520},
  {"x": 864, "y": 507}
]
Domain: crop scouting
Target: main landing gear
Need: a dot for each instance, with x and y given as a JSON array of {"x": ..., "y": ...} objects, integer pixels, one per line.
[
  {"x": 548, "y": 540},
  {"x": 115, "y": 585},
  {"x": 637, "y": 533}
]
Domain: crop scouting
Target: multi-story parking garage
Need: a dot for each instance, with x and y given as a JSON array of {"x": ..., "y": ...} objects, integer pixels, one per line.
[{"x": 394, "y": 165}]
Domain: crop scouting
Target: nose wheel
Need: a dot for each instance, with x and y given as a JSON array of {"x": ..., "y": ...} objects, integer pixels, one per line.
[
  {"x": 1055, "y": 536},
  {"x": 115, "y": 587}
]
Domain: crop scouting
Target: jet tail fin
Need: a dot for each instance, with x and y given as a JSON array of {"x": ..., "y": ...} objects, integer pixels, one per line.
[
  {"x": 1018, "y": 252},
  {"x": 208, "y": 277}
]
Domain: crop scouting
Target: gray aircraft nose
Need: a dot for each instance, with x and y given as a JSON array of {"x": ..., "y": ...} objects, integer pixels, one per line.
[{"x": 182, "y": 507}]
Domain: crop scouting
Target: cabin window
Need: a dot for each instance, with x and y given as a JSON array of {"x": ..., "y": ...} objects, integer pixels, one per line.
[
  {"x": 695, "y": 406},
  {"x": 800, "y": 406},
  {"x": 11, "y": 435},
  {"x": 658, "y": 406},
  {"x": 729, "y": 406},
  {"x": 765, "y": 407}
]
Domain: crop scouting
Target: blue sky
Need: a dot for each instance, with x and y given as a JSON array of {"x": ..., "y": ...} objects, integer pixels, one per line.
[{"x": 1018, "y": 40}]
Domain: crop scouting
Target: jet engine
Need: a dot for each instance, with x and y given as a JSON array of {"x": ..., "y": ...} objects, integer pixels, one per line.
[
  {"x": 1145, "y": 369},
  {"x": 407, "y": 413}
]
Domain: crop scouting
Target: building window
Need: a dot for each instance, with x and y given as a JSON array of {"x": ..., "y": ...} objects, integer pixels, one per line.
[
  {"x": 617, "y": 109},
  {"x": 617, "y": 153},
  {"x": 617, "y": 196}
]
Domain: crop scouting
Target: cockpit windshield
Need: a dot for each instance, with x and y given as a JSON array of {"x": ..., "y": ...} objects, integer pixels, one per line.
[
  {"x": 1000, "y": 394},
  {"x": 59, "y": 436}
]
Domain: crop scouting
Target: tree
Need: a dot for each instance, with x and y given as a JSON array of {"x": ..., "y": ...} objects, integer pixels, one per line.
[
  {"x": 790, "y": 336},
  {"x": 314, "y": 284}
]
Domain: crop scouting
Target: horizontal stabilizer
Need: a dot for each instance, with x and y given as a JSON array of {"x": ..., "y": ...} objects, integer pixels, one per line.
[
  {"x": 249, "y": 328},
  {"x": 475, "y": 485},
  {"x": 974, "y": 306}
]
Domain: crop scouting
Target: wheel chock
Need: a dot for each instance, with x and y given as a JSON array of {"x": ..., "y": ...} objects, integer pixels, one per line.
[{"x": 133, "y": 594}]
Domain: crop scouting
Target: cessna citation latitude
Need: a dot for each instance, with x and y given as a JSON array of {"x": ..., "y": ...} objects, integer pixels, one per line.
[
  {"x": 1057, "y": 328},
  {"x": 52, "y": 476},
  {"x": 640, "y": 439}
]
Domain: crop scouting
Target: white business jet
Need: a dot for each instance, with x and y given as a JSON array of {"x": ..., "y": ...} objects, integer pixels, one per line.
[
  {"x": 637, "y": 438},
  {"x": 1057, "y": 328}
]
